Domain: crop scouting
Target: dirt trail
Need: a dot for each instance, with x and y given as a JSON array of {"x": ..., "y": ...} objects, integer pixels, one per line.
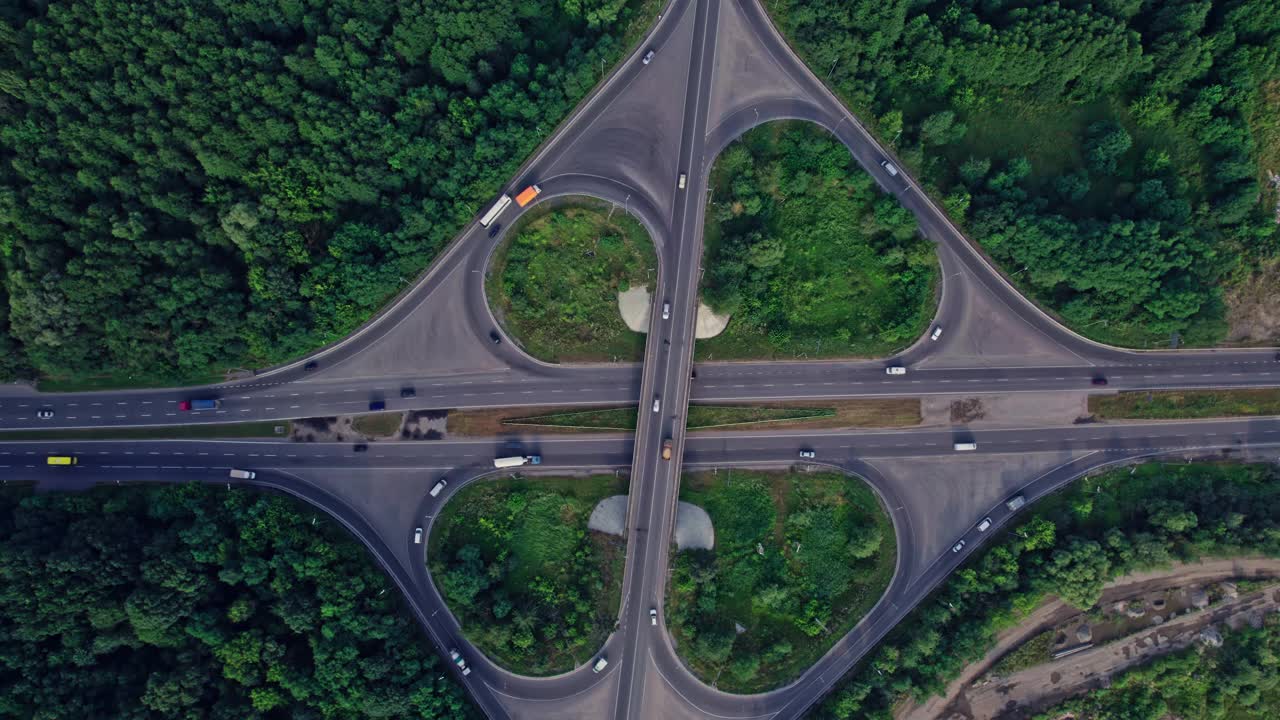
[{"x": 1055, "y": 611}]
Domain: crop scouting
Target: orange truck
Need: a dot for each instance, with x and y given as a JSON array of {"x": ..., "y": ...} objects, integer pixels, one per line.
[{"x": 527, "y": 195}]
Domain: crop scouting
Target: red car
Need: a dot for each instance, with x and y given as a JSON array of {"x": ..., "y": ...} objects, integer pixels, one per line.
[{"x": 184, "y": 404}]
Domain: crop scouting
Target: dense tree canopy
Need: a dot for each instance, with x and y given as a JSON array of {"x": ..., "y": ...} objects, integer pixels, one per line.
[
  {"x": 195, "y": 184},
  {"x": 1125, "y": 178},
  {"x": 191, "y": 602},
  {"x": 1070, "y": 547}
]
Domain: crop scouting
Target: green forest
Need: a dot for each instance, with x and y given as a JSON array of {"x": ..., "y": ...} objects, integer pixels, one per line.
[
  {"x": 1069, "y": 546},
  {"x": 1105, "y": 153},
  {"x": 807, "y": 254},
  {"x": 530, "y": 585},
  {"x": 1239, "y": 681},
  {"x": 828, "y": 554},
  {"x": 554, "y": 285},
  {"x": 189, "y": 186},
  {"x": 185, "y": 601}
]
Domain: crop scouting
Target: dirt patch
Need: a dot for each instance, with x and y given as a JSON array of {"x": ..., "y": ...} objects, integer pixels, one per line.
[
  {"x": 863, "y": 413},
  {"x": 1253, "y": 306},
  {"x": 967, "y": 410},
  {"x": 1013, "y": 409},
  {"x": 1055, "y": 613}
]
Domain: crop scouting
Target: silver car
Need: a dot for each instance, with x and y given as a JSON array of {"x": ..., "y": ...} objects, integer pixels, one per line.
[{"x": 648, "y": 57}]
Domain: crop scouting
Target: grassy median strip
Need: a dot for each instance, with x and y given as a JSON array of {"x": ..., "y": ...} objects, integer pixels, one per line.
[
  {"x": 378, "y": 424},
  {"x": 797, "y": 415},
  {"x": 1185, "y": 404},
  {"x": 166, "y": 432}
]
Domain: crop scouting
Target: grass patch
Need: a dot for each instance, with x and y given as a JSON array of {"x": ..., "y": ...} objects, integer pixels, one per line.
[
  {"x": 710, "y": 416},
  {"x": 806, "y": 253},
  {"x": 378, "y": 424},
  {"x": 554, "y": 282},
  {"x": 167, "y": 432},
  {"x": 125, "y": 381},
  {"x": 532, "y": 587},
  {"x": 829, "y": 554},
  {"x": 1185, "y": 404},
  {"x": 1029, "y": 654},
  {"x": 877, "y": 412}
]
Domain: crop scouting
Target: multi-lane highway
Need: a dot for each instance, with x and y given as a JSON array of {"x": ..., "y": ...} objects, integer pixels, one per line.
[{"x": 719, "y": 69}]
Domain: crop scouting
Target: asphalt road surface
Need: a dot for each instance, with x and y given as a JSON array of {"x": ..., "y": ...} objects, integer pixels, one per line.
[{"x": 720, "y": 69}]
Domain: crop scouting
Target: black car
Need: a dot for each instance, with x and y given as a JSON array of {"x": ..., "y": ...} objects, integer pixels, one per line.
[
  {"x": 1099, "y": 381},
  {"x": 311, "y": 365},
  {"x": 495, "y": 337},
  {"x": 360, "y": 447},
  {"x": 377, "y": 405},
  {"x": 408, "y": 392},
  {"x": 493, "y": 231}
]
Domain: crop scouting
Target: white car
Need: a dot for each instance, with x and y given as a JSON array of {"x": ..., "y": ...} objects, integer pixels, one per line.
[
  {"x": 456, "y": 657},
  {"x": 648, "y": 57},
  {"x": 683, "y": 178},
  {"x": 808, "y": 454},
  {"x": 417, "y": 536},
  {"x": 984, "y": 525},
  {"x": 653, "y": 616},
  {"x": 895, "y": 370},
  {"x": 45, "y": 414},
  {"x": 656, "y": 404},
  {"x": 601, "y": 664},
  {"x": 889, "y": 168},
  {"x": 957, "y": 547},
  {"x": 937, "y": 333},
  {"x": 666, "y": 311}
]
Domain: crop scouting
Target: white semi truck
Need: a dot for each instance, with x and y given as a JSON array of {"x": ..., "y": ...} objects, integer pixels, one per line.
[{"x": 517, "y": 461}]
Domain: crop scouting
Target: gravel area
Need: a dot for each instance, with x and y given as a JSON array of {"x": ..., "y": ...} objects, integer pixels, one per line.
[
  {"x": 693, "y": 528},
  {"x": 610, "y": 515},
  {"x": 693, "y": 524}
]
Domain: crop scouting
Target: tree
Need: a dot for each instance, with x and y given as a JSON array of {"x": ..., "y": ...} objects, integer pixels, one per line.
[{"x": 1104, "y": 144}]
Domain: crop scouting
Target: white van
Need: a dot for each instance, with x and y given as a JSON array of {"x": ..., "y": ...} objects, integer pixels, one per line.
[
  {"x": 435, "y": 491},
  {"x": 966, "y": 446},
  {"x": 600, "y": 665},
  {"x": 984, "y": 525},
  {"x": 1015, "y": 502},
  {"x": 889, "y": 168},
  {"x": 243, "y": 474}
]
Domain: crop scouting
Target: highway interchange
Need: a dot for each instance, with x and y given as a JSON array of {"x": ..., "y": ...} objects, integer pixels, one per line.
[{"x": 720, "y": 68}]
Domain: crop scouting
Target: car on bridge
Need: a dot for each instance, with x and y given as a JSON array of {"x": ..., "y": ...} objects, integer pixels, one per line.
[
  {"x": 494, "y": 337},
  {"x": 1099, "y": 380},
  {"x": 601, "y": 664},
  {"x": 493, "y": 231},
  {"x": 937, "y": 332},
  {"x": 957, "y": 547},
  {"x": 648, "y": 57},
  {"x": 417, "y": 536},
  {"x": 666, "y": 449},
  {"x": 62, "y": 460},
  {"x": 808, "y": 454},
  {"x": 666, "y": 311},
  {"x": 985, "y": 525},
  {"x": 889, "y": 168},
  {"x": 243, "y": 474},
  {"x": 45, "y": 413},
  {"x": 311, "y": 365},
  {"x": 895, "y": 370},
  {"x": 656, "y": 403},
  {"x": 653, "y": 616},
  {"x": 408, "y": 392}
]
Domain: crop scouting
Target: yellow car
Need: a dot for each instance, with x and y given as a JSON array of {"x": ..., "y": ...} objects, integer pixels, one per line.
[{"x": 61, "y": 460}]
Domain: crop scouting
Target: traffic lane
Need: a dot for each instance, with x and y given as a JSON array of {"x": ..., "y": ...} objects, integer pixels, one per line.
[{"x": 615, "y": 384}]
